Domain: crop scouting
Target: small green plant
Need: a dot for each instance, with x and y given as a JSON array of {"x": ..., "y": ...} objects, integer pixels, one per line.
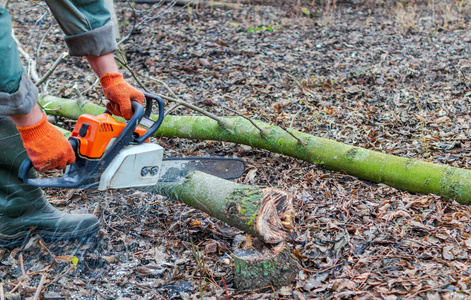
[
  {"x": 263, "y": 28},
  {"x": 306, "y": 11},
  {"x": 200, "y": 266},
  {"x": 74, "y": 261}
]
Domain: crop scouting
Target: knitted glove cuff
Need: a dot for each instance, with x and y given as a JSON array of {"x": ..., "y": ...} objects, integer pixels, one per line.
[
  {"x": 110, "y": 79},
  {"x": 39, "y": 130}
]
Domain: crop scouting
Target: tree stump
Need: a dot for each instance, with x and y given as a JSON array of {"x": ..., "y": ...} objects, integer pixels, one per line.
[{"x": 264, "y": 267}]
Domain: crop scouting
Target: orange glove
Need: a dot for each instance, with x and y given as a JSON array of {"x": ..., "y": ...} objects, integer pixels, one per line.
[
  {"x": 120, "y": 93},
  {"x": 46, "y": 146}
]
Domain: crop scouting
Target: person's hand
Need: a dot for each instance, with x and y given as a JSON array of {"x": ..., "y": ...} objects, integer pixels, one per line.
[
  {"x": 47, "y": 148},
  {"x": 120, "y": 93}
]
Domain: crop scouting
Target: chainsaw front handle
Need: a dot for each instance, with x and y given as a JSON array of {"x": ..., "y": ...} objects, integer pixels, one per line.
[{"x": 147, "y": 121}]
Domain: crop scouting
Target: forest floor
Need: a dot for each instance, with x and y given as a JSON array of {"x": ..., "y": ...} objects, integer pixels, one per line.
[{"x": 389, "y": 79}]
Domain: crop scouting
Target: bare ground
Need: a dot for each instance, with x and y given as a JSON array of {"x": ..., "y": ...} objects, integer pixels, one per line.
[{"x": 371, "y": 76}]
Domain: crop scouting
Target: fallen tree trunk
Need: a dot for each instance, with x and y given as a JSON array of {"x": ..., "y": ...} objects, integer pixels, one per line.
[
  {"x": 265, "y": 213},
  {"x": 403, "y": 173}
]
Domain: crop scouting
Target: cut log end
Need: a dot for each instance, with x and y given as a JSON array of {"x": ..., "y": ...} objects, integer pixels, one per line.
[
  {"x": 269, "y": 267},
  {"x": 275, "y": 217}
]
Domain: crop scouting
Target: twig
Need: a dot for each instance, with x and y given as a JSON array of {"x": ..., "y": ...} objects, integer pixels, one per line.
[
  {"x": 196, "y": 3},
  {"x": 290, "y": 133},
  {"x": 16, "y": 287},
  {"x": 262, "y": 133},
  {"x": 44, "y": 35},
  {"x": 134, "y": 14},
  {"x": 220, "y": 121},
  {"x": 170, "y": 5},
  {"x": 45, "y": 247},
  {"x": 165, "y": 86},
  {"x": 195, "y": 108},
  {"x": 2, "y": 294},
  {"x": 59, "y": 276},
  {"x": 424, "y": 291},
  {"x": 52, "y": 69},
  {"x": 225, "y": 288},
  {"x": 40, "y": 286},
  {"x": 131, "y": 71},
  {"x": 27, "y": 57},
  {"x": 22, "y": 265},
  {"x": 171, "y": 109},
  {"x": 149, "y": 289},
  {"x": 91, "y": 86}
]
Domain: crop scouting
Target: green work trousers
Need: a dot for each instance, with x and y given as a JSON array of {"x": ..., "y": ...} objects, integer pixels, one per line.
[{"x": 88, "y": 32}]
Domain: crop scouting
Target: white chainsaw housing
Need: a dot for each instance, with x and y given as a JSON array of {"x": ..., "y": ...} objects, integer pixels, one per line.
[{"x": 134, "y": 166}]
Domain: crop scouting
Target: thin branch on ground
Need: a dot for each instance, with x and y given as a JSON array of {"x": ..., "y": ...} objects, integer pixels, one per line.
[
  {"x": 40, "y": 286},
  {"x": 290, "y": 133},
  {"x": 91, "y": 86},
  {"x": 168, "y": 7},
  {"x": 220, "y": 121},
  {"x": 22, "y": 265},
  {"x": 175, "y": 106},
  {"x": 60, "y": 275},
  {"x": 186, "y": 104},
  {"x": 52, "y": 69},
  {"x": 133, "y": 27},
  {"x": 165, "y": 86},
  {"x": 31, "y": 62},
  {"x": 125, "y": 64},
  {"x": 150, "y": 290},
  {"x": 262, "y": 133}
]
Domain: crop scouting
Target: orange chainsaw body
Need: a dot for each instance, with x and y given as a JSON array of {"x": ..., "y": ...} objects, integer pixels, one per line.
[{"x": 95, "y": 133}]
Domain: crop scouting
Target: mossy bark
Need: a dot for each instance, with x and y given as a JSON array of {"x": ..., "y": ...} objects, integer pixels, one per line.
[
  {"x": 403, "y": 173},
  {"x": 262, "y": 268},
  {"x": 265, "y": 213}
]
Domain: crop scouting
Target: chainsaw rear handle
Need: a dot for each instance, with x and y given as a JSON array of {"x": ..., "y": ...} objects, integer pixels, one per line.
[
  {"x": 63, "y": 181},
  {"x": 86, "y": 173}
]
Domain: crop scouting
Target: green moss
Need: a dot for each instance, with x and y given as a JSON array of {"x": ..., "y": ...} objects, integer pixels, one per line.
[{"x": 250, "y": 222}]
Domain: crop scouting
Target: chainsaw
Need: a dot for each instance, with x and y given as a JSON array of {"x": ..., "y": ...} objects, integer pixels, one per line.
[{"x": 111, "y": 154}]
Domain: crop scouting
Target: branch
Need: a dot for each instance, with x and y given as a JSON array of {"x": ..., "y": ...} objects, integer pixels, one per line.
[
  {"x": 52, "y": 69},
  {"x": 290, "y": 133},
  {"x": 220, "y": 121},
  {"x": 189, "y": 105},
  {"x": 40, "y": 286},
  {"x": 248, "y": 119},
  {"x": 125, "y": 64},
  {"x": 31, "y": 62}
]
